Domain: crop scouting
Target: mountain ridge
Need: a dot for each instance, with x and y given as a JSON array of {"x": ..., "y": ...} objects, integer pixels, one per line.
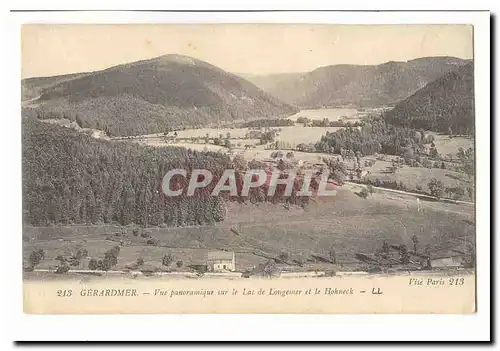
[
  {"x": 358, "y": 85},
  {"x": 169, "y": 90}
]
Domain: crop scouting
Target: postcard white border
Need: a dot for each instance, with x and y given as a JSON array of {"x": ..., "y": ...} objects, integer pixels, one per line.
[{"x": 235, "y": 327}]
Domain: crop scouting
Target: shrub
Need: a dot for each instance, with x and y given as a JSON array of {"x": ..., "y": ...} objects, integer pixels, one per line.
[
  {"x": 81, "y": 253},
  {"x": 370, "y": 188},
  {"x": 28, "y": 268},
  {"x": 167, "y": 259},
  {"x": 110, "y": 260},
  {"x": 470, "y": 192},
  {"x": 333, "y": 255},
  {"x": 219, "y": 209},
  {"x": 93, "y": 264},
  {"x": 62, "y": 268},
  {"x": 415, "y": 242},
  {"x": 106, "y": 263},
  {"x": 436, "y": 188},
  {"x": 426, "y": 163},
  {"x": 364, "y": 193},
  {"x": 152, "y": 241},
  {"x": 469, "y": 260},
  {"x": 36, "y": 256},
  {"x": 403, "y": 254},
  {"x": 179, "y": 264},
  {"x": 284, "y": 256},
  {"x": 140, "y": 261},
  {"x": 455, "y": 192}
]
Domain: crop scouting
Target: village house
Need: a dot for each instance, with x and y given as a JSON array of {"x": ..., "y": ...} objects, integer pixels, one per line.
[
  {"x": 221, "y": 261},
  {"x": 448, "y": 259}
]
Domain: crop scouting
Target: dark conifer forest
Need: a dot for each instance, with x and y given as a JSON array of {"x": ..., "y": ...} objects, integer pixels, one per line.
[
  {"x": 72, "y": 178},
  {"x": 69, "y": 177},
  {"x": 445, "y": 105}
]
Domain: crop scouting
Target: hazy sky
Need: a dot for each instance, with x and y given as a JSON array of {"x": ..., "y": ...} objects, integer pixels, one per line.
[{"x": 241, "y": 48}]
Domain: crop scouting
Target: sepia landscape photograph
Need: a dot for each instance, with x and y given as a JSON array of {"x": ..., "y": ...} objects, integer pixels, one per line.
[{"x": 243, "y": 151}]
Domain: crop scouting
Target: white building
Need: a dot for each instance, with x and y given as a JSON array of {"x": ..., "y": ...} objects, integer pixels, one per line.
[
  {"x": 221, "y": 261},
  {"x": 445, "y": 261}
]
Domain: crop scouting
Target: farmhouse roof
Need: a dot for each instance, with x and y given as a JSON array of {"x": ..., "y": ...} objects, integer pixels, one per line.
[
  {"x": 220, "y": 255},
  {"x": 449, "y": 254}
]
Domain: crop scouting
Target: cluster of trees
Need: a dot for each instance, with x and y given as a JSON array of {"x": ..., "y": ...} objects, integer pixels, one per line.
[
  {"x": 110, "y": 260},
  {"x": 35, "y": 257},
  {"x": 370, "y": 138},
  {"x": 221, "y": 140},
  {"x": 326, "y": 123},
  {"x": 73, "y": 259},
  {"x": 280, "y": 145},
  {"x": 404, "y": 254},
  {"x": 466, "y": 159},
  {"x": 438, "y": 189},
  {"x": 281, "y": 154},
  {"x": 267, "y": 137},
  {"x": 337, "y": 169},
  {"x": 268, "y": 123},
  {"x": 367, "y": 191}
]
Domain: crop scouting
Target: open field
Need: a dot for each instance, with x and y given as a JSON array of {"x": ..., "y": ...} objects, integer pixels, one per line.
[
  {"x": 300, "y": 134},
  {"x": 446, "y": 146},
  {"x": 414, "y": 177},
  {"x": 346, "y": 222}
]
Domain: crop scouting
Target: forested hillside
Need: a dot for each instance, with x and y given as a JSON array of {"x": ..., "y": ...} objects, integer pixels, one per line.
[
  {"x": 153, "y": 95},
  {"x": 69, "y": 177},
  {"x": 444, "y": 105},
  {"x": 359, "y": 85},
  {"x": 31, "y": 88}
]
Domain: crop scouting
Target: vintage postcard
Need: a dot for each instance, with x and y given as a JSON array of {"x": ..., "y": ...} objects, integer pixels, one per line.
[{"x": 248, "y": 168}]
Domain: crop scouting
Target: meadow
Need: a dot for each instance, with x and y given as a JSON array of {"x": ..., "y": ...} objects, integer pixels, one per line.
[{"x": 347, "y": 223}]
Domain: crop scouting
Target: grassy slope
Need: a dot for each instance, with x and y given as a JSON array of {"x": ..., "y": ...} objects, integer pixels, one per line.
[{"x": 346, "y": 222}]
